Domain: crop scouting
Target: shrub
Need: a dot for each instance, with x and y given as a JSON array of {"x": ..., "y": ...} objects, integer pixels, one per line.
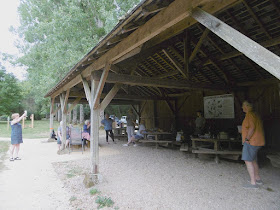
[
  {"x": 73, "y": 198},
  {"x": 94, "y": 191},
  {"x": 104, "y": 201}
]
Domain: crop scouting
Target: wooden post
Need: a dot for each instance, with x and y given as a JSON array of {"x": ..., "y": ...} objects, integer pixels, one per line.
[
  {"x": 94, "y": 130},
  {"x": 64, "y": 118},
  {"x": 32, "y": 120},
  {"x": 59, "y": 115},
  {"x": 176, "y": 113},
  {"x": 8, "y": 124},
  {"x": 51, "y": 116},
  {"x": 81, "y": 114}
]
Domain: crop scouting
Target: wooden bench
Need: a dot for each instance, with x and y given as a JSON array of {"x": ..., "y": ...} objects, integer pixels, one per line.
[
  {"x": 157, "y": 142},
  {"x": 216, "y": 150}
]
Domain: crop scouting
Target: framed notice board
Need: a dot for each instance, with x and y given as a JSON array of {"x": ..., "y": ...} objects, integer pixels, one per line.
[{"x": 219, "y": 107}]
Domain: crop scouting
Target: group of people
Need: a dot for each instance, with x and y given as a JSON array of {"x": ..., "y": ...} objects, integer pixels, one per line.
[
  {"x": 252, "y": 137},
  {"x": 107, "y": 122}
]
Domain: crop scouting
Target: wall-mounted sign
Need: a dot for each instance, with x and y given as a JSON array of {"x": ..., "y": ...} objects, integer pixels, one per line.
[{"x": 219, "y": 107}]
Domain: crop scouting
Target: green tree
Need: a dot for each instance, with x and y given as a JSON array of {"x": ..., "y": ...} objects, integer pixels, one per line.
[
  {"x": 10, "y": 93},
  {"x": 56, "y": 34}
]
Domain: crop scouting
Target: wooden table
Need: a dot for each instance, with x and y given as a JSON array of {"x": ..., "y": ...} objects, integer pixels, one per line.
[
  {"x": 217, "y": 151},
  {"x": 157, "y": 140},
  {"x": 119, "y": 133}
]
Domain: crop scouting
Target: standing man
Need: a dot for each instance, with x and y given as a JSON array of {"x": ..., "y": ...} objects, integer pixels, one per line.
[
  {"x": 253, "y": 140},
  {"x": 130, "y": 123},
  {"x": 107, "y": 122},
  {"x": 199, "y": 123}
]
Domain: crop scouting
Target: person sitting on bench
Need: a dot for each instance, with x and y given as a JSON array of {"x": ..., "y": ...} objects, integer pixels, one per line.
[{"x": 139, "y": 134}]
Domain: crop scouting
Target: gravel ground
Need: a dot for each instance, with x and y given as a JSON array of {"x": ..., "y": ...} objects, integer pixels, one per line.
[{"x": 143, "y": 177}]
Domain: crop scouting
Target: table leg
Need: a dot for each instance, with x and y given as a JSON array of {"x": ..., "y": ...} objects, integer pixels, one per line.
[
  {"x": 194, "y": 146},
  {"x": 216, "y": 147},
  {"x": 156, "y": 138},
  {"x": 217, "y": 159}
]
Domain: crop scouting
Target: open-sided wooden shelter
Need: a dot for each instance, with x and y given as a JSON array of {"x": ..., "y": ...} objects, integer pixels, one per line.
[{"x": 167, "y": 54}]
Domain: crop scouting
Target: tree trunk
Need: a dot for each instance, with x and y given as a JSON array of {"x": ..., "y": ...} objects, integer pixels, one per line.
[
  {"x": 82, "y": 117},
  {"x": 75, "y": 116}
]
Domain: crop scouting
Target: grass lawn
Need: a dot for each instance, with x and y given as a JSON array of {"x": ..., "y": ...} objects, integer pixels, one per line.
[{"x": 41, "y": 129}]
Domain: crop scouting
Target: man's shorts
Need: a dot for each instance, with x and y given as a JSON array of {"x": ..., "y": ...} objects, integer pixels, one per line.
[
  {"x": 138, "y": 137},
  {"x": 249, "y": 152}
]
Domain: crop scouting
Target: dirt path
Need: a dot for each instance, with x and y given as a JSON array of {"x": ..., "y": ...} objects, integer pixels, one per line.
[
  {"x": 31, "y": 183},
  {"x": 135, "y": 178}
]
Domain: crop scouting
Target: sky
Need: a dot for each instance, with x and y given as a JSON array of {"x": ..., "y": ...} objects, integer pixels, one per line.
[{"x": 9, "y": 17}]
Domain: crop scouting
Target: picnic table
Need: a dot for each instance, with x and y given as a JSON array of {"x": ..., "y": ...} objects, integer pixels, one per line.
[
  {"x": 217, "y": 150},
  {"x": 158, "y": 138},
  {"x": 120, "y": 133}
]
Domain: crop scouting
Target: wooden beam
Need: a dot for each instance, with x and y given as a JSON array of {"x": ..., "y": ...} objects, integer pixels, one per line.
[
  {"x": 224, "y": 79},
  {"x": 259, "y": 82},
  {"x": 108, "y": 98},
  {"x": 134, "y": 109},
  {"x": 183, "y": 103},
  {"x": 74, "y": 104},
  {"x": 58, "y": 108},
  {"x": 66, "y": 101},
  {"x": 58, "y": 90},
  {"x": 211, "y": 6},
  {"x": 142, "y": 107},
  {"x": 123, "y": 102},
  {"x": 268, "y": 43},
  {"x": 174, "y": 13},
  {"x": 169, "y": 104},
  {"x": 129, "y": 54},
  {"x": 263, "y": 57},
  {"x": 168, "y": 17},
  {"x": 199, "y": 43},
  {"x": 150, "y": 81},
  {"x": 87, "y": 90},
  {"x": 187, "y": 49},
  {"x": 101, "y": 84},
  {"x": 167, "y": 74},
  {"x": 138, "y": 97},
  {"x": 175, "y": 63}
]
